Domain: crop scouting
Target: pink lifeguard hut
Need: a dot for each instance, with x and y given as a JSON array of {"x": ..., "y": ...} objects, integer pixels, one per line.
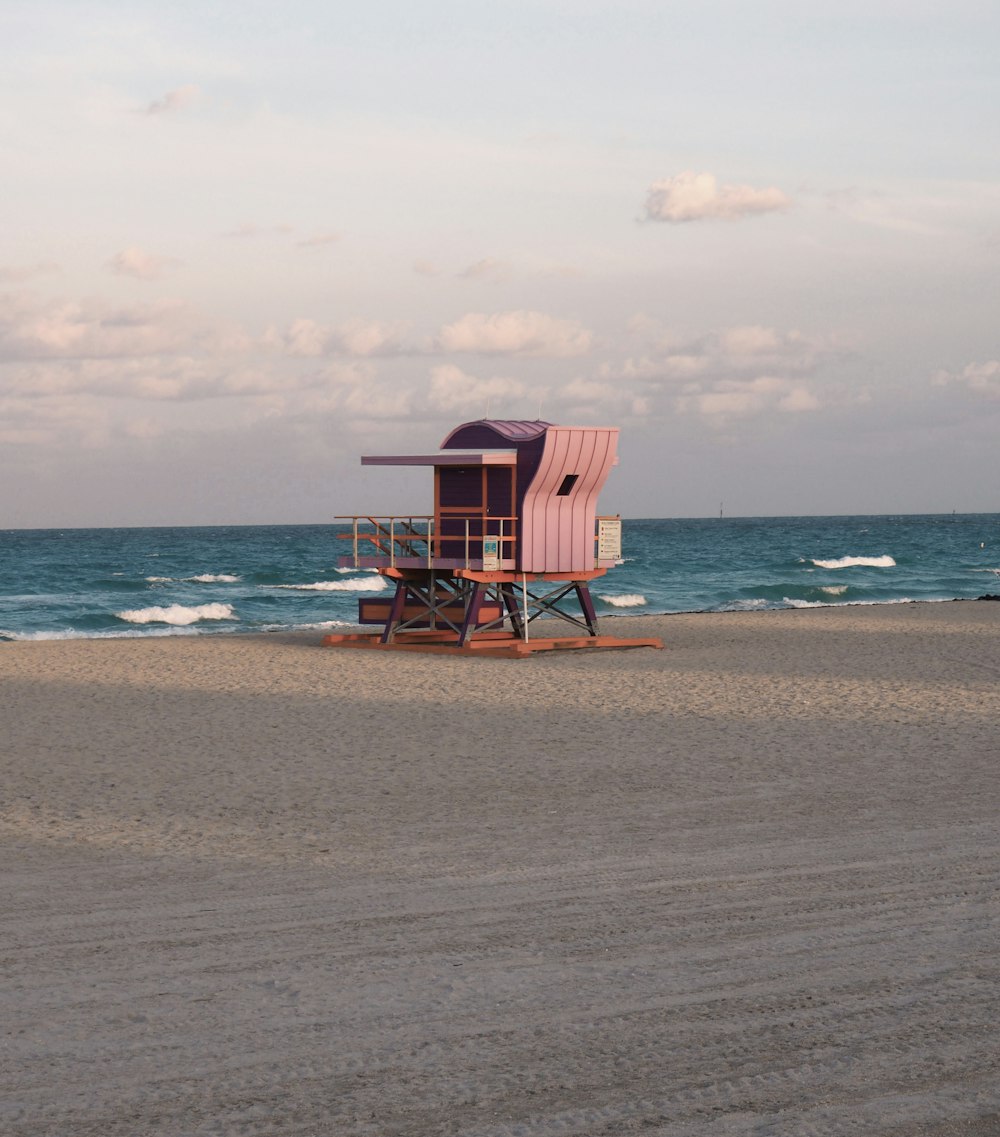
[{"x": 514, "y": 537}]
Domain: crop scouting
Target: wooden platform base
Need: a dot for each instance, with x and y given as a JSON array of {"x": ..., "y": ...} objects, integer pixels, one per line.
[{"x": 501, "y": 645}]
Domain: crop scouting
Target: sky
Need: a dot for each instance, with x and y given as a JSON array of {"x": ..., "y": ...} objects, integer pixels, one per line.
[{"x": 242, "y": 244}]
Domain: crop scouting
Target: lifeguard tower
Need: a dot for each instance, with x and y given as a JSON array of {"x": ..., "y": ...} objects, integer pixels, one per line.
[{"x": 514, "y": 537}]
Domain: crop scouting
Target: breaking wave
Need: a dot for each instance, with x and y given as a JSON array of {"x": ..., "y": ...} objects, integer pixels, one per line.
[
  {"x": 201, "y": 578},
  {"x": 177, "y": 614},
  {"x": 749, "y": 604},
  {"x": 628, "y": 600},
  {"x": 352, "y": 584},
  {"x": 74, "y": 634},
  {"x": 792, "y": 602},
  {"x": 856, "y": 562}
]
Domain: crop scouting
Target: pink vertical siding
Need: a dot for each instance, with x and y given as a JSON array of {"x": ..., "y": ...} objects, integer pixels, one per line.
[{"x": 557, "y": 533}]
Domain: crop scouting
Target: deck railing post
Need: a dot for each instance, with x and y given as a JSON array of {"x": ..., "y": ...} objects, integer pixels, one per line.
[
  {"x": 355, "y": 542},
  {"x": 524, "y": 597}
]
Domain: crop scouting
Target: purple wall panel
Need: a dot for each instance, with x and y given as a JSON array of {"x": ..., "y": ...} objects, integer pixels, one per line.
[
  {"x": 499, "y": 499},
  {"x": 461, "y": 486}
]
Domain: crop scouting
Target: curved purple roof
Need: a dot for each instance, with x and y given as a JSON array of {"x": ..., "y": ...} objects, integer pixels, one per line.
[{"x": 494, "y": 433}]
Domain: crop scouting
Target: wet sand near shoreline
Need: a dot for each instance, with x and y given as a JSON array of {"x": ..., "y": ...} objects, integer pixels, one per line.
[{"x": 743, "y": 886}]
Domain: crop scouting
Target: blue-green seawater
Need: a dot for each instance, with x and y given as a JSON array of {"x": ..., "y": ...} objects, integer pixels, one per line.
[{"x": 62, "y": 583}]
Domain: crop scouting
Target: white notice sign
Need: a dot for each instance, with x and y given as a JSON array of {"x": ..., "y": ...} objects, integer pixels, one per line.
[
  {"x": 491, "y": 554},
  {"x": 609, "y": 539}
]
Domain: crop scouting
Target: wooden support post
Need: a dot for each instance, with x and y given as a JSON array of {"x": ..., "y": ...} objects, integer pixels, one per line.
[
  {"x": 395, "y": 612},
  {"x": 473, "y": 603},
  {"x": 587, "y": 606},
  {"x": 513, "y": 609}
]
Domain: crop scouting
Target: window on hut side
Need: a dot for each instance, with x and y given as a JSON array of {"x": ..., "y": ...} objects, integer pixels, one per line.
[{"x": 567, "y": 484}]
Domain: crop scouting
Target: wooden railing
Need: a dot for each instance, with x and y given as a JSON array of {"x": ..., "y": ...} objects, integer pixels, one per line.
[
  {"x": 412, "y": 537},
  {"x": 459, "y": 538}
]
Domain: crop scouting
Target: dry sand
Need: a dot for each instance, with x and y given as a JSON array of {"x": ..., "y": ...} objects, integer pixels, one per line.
[{"x": 744, "y": 886}]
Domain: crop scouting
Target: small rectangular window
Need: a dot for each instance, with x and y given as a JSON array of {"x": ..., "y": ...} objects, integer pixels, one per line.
[{"x": 567, "y": 484}]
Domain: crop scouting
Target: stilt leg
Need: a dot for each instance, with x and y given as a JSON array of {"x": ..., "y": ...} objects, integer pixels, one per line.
[
  {"x": 513, "y": 610},
  {"x": 473, "y": 604},
  {"x": 395, "y": 612},
  {"x": 587, "y": 606}
]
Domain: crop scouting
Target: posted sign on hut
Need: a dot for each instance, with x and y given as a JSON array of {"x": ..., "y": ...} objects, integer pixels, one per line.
[
  {"x": 491, "y": 554},
  {"x": 609, "y": 538}
]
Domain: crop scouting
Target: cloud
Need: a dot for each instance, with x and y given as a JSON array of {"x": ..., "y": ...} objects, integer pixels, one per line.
[
  {"x": 304, "y": 337},
  {"x": 45, "y": 423},
  {"x": 15, "y": 274},
  {"x": 515, "y": 333},
  {"x": 175, "y": 100},
  {"x": 983, "y": 378},
  {"x": 248, "y": 229},
  {"x": 157, "y": 379},
  {"x": 734, "y": 372},
  {"x": 743, "y": 398},
  {"x": 563, "y": 272},
  {"x": 797, "y": 399},
  {"x": 747, "y": 348},
  {"x": 917, "y": 215},
  {"x": 35, "y": 329},
  {"x": 368, "y": 337},
  {"x": 426, "y": 268},
  {"x": 486, "y": 269},
  {"x": 318, "y": 240},
  {"x": 139, "y": 264},
  {"x": 696, "y": 197},
  {"x": 451, "y": 389},
  {"x": 353, "y": 392}
]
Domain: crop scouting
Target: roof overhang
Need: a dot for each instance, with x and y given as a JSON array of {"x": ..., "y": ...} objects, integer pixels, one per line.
[{"x": 505, "y": 458}]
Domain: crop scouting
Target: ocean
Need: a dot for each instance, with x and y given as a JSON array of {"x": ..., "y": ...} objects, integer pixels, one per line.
[{"x": 69, "y": 583}]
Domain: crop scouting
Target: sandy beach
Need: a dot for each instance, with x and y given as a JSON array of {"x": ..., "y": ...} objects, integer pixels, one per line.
[{"x": 741, "y": 887}]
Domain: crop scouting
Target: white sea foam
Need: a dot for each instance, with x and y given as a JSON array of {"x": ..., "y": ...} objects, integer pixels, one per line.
[
  {"x": 118, "y": 634},
  {"x": 354, "y": 584},
  {"x": 834, "y": 589},
  {"x": 201, "y": 578},
  {"x": 793, "y": 603},
  {"x": 347, "y": 570},
  {"x": 856, "y": 562},
  {"x": 753, "y": 604},
  {"x": 177, "y": 614},
  {"x": 627, "y": 600},
  {"x": 319, "y": 626}
]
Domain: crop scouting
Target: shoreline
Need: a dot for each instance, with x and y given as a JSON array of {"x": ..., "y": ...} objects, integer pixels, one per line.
[
  {"x": 747, "y": 882},
  {"x": 168, "y": 631}
]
